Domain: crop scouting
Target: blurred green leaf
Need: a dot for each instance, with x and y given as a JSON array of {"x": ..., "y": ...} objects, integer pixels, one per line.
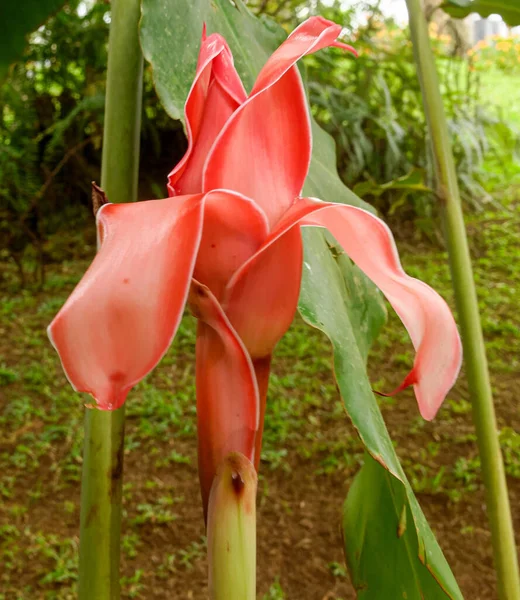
[
  {"x": 412, "y": 182},
  {"x": 403, "y": 186},
  {"x": 18, "y": 18},
  {"x": 509, "y": 10},
  {"x": 335, "y": 297}
]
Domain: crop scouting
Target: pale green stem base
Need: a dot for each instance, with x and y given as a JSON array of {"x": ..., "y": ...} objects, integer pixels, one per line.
[
  {"x": 499, "y": 512},
  {"x": 232, "y": 530},
  {"x": 100, "y": 519}
]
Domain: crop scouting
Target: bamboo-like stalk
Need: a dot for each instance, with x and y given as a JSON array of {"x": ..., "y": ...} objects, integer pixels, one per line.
[
  {"x": 100, "y": 519},
  {"x": 499, "y": 511}
]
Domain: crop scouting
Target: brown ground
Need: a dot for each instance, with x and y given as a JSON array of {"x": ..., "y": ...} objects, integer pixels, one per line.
[
  {"x": 298, "y": 523},
  {"x": 299, "y": 511}
]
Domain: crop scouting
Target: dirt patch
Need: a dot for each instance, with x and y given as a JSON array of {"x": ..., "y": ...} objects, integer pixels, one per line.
[{"x": 299, "y": 516}]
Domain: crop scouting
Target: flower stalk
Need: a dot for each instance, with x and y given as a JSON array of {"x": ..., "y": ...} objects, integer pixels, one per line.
[
  {"x": 499, "y": 511},
  {"x": 100, "y": 519},
  {"x": 232, "y": 530}
]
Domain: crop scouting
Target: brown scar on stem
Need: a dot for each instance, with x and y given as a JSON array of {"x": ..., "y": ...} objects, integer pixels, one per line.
[
  {"x": 98, "y": 198},
  {"x": 237, "y": 482},
  {"x": 92, "y": 513},
  {"x": 116, "y": 472}
]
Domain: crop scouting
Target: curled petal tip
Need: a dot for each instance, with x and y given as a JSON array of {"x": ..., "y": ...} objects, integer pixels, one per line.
[
  {"x": 204, "y": 32},
  {"x": 346, "y": 47},
  {"x": 409, "y": 380}
]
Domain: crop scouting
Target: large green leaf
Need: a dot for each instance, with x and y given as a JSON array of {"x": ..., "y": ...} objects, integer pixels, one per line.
[
  {"x": 336, "y": 297},
  {"x": 17, "y": 19},
  {"x": 509, "y": 10},
  {"x": 379, "y": 497},
  {"x": 377, "y": 503}
]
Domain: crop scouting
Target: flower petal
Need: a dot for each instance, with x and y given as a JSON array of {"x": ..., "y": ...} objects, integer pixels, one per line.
[
  {"x": 234, "y": 228},
  {"x": 122, "y": 316},
  {"x": 428, "y": 319},
  {"x": 262, "y": 368},
  {"x": 264, "y": 149},
  {"x": 312, "y": 35},
  {"x": 227, "y": 392},
  {"x": 215, "y": 94},
  {"x": 261, "y": 297}
]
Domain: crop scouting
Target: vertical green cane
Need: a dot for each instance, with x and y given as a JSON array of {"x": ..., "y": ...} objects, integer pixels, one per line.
[
  {"x": 499, "y": 512},
  {"x": 100, "y": 520}
]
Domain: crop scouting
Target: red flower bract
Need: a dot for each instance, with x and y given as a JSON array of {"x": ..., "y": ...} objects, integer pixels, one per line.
[{"x": 228, "y": 241}]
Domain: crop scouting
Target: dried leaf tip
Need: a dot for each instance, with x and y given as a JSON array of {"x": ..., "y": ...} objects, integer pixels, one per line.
[{"x": 98, "y": 198}]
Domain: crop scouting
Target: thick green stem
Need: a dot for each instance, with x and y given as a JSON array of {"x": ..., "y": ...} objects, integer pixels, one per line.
[
  {"x": 499, "y": 512},
  {"x": 100, "y": 521},
  {"x": 120, "y": 166},
  {"x": 232, "y": 530}
]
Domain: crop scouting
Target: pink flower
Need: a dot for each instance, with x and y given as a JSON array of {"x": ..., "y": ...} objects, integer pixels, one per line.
[{"x": 228, "y": 242}]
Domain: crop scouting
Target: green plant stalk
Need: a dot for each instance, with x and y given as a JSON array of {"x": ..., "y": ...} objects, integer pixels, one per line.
[
  {"x": 232, "y": 530},
  {"x": 101, "y": 487},
  {"x": 499, "y": 511}
]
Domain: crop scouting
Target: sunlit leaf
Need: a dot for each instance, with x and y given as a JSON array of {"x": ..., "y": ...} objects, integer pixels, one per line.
[{"x": 509, "y": 10}]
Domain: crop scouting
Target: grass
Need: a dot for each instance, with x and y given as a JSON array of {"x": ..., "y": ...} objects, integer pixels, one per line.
[{"x": 502, "y": 89}]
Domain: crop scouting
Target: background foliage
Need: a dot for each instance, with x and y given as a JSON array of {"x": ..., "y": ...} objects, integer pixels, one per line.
[
  {"x": 51, "y": 121},
  {"x": 502, "y": 52},
  {"x": 51, "y": 130}
]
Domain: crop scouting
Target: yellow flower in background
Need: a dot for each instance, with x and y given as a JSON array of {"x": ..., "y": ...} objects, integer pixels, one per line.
[{"x": 503, "y": 46}]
